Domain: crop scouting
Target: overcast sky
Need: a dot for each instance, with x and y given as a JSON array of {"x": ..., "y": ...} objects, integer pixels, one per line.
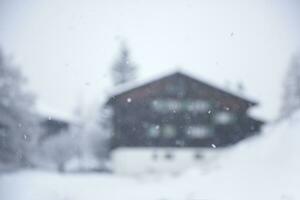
[{"x": 65, "y": 48}]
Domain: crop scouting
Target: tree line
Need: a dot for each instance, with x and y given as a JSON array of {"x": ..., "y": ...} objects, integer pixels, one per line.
[{"x": 20, "y": 125}]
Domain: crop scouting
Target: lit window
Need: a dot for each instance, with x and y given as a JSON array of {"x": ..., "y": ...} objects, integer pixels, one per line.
[
  {"x": 198, "y": 106},
  {"x": 169, "y": 131},
  {"x": 169, "y": 105},
  {"x": 224, "y": 118},
  {"x": 174, "y": 105},
  {"x": 153, "y": 131},
  {"x": 198, "y": 131},
  {"x": 160, "y": 105}
]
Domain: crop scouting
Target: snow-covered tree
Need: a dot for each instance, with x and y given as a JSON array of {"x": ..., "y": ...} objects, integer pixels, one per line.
[
  {"x": 82, "y": 146},
  {"x": 95, "y": 130},
  {"x": 291, "y": 93},
  {"x": 123, "y": 70},
  {"x": 18, "y": 124},
  {"x": 59, "y": 149},
  {"x": 101, "y": 130}
]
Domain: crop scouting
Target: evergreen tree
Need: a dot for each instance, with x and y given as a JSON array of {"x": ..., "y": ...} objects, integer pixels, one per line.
[
  {"x": 123, "y": 70},
  {"x": 291, "y": 93},
  {"x": 17, "y": 122}
]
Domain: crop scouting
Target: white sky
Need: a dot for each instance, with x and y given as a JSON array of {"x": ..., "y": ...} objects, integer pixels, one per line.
[{"x": 65, "y": 48}]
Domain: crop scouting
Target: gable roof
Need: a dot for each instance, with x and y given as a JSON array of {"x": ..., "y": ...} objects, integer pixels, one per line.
[{"x": 126, "y": 88}]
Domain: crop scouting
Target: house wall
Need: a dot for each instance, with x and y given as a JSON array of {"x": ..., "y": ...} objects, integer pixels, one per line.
[
  {"x": 134, "y": 113},
  {"x": 139, "y": 143},
  {"x": 137, "y": 161}
]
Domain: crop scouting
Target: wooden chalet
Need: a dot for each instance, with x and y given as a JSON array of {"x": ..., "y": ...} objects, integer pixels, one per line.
[{"x": 180, "y": 111}]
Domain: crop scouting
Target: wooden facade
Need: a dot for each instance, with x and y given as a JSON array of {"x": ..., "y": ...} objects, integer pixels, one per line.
[{"x": 180, "y": 111}]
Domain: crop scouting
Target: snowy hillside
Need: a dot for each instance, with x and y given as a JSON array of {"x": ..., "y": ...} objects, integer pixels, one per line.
[{"x": 265, "y": 167}]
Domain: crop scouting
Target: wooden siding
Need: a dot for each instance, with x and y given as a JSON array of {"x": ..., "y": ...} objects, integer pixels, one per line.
[{"x": 133, "y": 113}]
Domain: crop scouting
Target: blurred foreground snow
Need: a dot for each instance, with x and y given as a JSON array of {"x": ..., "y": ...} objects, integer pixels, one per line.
[{"x": 265, "y": 167}]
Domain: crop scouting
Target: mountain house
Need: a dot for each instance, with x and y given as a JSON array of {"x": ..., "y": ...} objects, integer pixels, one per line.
[{"x": 172, "y": 118}]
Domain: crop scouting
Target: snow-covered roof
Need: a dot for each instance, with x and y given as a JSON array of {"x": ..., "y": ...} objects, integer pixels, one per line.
[
  {"x": 118, "y": 90},
  {"x": 48, "y": 112}
]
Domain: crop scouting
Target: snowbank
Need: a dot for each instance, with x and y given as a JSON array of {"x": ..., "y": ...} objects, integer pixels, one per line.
[{"x": 265, "y": 167}]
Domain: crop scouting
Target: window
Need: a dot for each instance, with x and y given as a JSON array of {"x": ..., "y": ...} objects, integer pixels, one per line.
[
  {"x": 198, "y": 131},
  {"x": 153, "y": 131},
  {"x": 224, "y": 118},
  {"x": 198, "y": 106},
  {"x": 174, "y": 105},
  {"x": 169, "y": 105},
  {"x": 166, "y": 105},
  {"x": 169, "y": 131},
  {"x": 158, "y": 105}
]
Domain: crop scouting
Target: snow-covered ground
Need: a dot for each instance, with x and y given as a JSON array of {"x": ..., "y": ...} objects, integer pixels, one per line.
[{"x": 263, "y": 168}]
